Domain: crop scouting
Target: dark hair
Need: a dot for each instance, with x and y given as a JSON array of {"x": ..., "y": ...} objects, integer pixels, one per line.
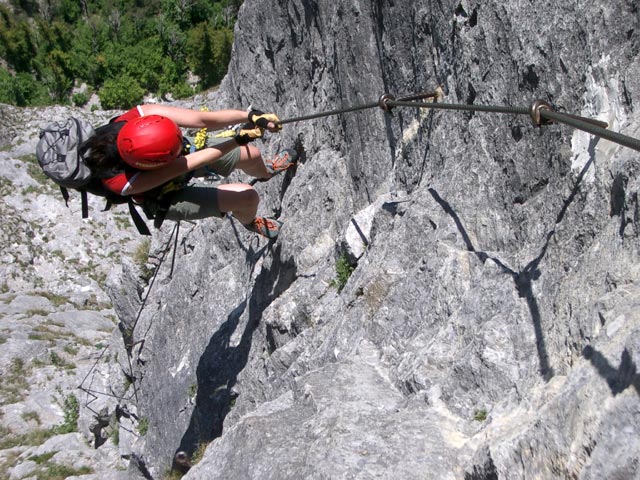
[{"x": 100, "y": 151}]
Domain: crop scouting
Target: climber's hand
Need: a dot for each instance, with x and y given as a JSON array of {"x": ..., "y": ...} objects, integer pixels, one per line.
[
  {"x": 247, "y": 133},
  {"x": 268, "y": 121}
]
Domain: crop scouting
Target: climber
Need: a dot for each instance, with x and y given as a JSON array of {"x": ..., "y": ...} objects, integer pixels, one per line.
[{"x": 139, "y": 153}]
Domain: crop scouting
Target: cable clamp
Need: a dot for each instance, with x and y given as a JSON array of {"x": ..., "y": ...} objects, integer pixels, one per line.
[
  {"x": 534, "y": 111},
  {"x": 382, "y": 102}
]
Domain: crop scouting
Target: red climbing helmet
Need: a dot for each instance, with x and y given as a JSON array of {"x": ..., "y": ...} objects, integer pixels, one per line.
[{"x": 149, "y": 142}]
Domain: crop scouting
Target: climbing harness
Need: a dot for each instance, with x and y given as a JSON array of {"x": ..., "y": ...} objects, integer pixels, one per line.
[{"x": 540, "y": 112}]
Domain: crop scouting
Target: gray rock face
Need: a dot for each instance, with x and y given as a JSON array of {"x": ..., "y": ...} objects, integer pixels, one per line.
[
  {"x": 490, "y": 327},
  {"x": 56, "y": 320}
]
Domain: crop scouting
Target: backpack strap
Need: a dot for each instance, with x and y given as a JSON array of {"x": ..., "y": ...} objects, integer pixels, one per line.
[
  {"x": 85, "y": 204},
  {"x": 137, "y": 219},
  {"x": 65, "y": 195},
  {"x": 83, "y": 196},
  {"x": 107, "y": 205},
  {"x": 160, "y": 214}
]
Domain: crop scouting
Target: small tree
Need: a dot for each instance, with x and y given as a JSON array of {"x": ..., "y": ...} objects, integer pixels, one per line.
[
  {"x": 22, "y": 90},
  {"x": 208, "y": 53},
  {"x": 123, "y": 92},
  {"x": 58, "y": 74},
  {"x": 16, "y": 43}
]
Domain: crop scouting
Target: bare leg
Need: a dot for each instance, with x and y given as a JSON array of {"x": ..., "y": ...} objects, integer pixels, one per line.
[
  {"x": 251, "y": 162},
  {"x": 239, "y": 198}
]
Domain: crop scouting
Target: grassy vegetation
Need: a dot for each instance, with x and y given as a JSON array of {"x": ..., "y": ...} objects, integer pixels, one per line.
[
  {"x": 55, "y": 299},
  {"x": 14, "y": 384},
  {"x": 122, "y": 222},
  {"x": 31, "y": 438},
  {"x": 93, "y": 303},
  {"x": 34, "y": 169},
  {"x": 28, "y": 416},
  {"x": 141, "y": 257},
  {"x": 172, "y": 475},
  {"x": 115, "y": 432},
  {"x": 55, "y": 471},
  {"x": 71, "y": 408},
  {"x": 143, "y": 426},
  {"x": 199, "y": 453},
  {"x": 8, "y": 460},
  {"x": 480, "y": 415},
  {"x": 71, "y": 350},
  {"x": 44, "y": 458},
  {"x": 36, "y": 312},
  {"x": 193, "y": 390},
  {"x": 32, "y": 191},
  {"x": 141, "y": 253},
  {"x": 58, "y": 361},
  {"x": 47, "y": 332}
]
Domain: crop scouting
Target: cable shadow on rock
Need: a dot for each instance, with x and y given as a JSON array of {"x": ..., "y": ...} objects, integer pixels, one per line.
[
  {"x": 427, "y": 148},
  {"x": 221, "y": 362},
  {"x": 291, "y": 172},
  {"x": 618, "y": 379},
  {"x": 411, "y": 178},
  {"x": 524, "y": 279}
]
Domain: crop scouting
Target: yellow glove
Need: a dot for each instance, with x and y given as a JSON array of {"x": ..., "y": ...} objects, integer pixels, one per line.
[
  {"x": 247, "y": 134},
  {"x": 262, "y": 120}
]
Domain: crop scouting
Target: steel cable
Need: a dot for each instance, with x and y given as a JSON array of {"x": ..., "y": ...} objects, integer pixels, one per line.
[
  {"x": 459, "y": 107},
  {"x": 542, "y": 110},
  {"x": 356, "y": 108},
  {"x": 583, "y": 124},
  {"x": 541, "y": 113}
]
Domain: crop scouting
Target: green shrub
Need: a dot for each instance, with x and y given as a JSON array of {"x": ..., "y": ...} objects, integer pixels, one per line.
[
  {"x": 199, "y": 453},
  {"x": 44, "y": 52},
  {"x": 141, "y": 253},
  {"x": 22, "y": 89},
  {"x": 71, "y": 409},
  {"x": 343, "y": 271},
  {"x": 120, "y": 93},
  {"x": 480, "y": 415},
  {"x": 80, "y": 99},
  {"x": 143, "y": 426}
]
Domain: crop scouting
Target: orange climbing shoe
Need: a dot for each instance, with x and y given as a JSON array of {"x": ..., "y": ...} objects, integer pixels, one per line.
[
  {"x": 267, "y": 227},
  {"x": 282, "y": 161}
]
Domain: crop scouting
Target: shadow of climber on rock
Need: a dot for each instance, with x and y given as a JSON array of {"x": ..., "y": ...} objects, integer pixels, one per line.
[
  {"x": 221, "y": 362},
  {"x": 619, "y": 379},
  {"x": 525, "y": 278},
  {"x": 523, "y": 281}
]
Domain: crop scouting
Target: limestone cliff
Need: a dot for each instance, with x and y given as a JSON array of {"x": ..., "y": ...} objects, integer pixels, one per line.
[{"x": 489, "y": 328}]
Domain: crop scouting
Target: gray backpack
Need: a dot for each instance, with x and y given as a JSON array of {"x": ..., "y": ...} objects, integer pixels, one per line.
[{"x": 58, "y": 153}]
